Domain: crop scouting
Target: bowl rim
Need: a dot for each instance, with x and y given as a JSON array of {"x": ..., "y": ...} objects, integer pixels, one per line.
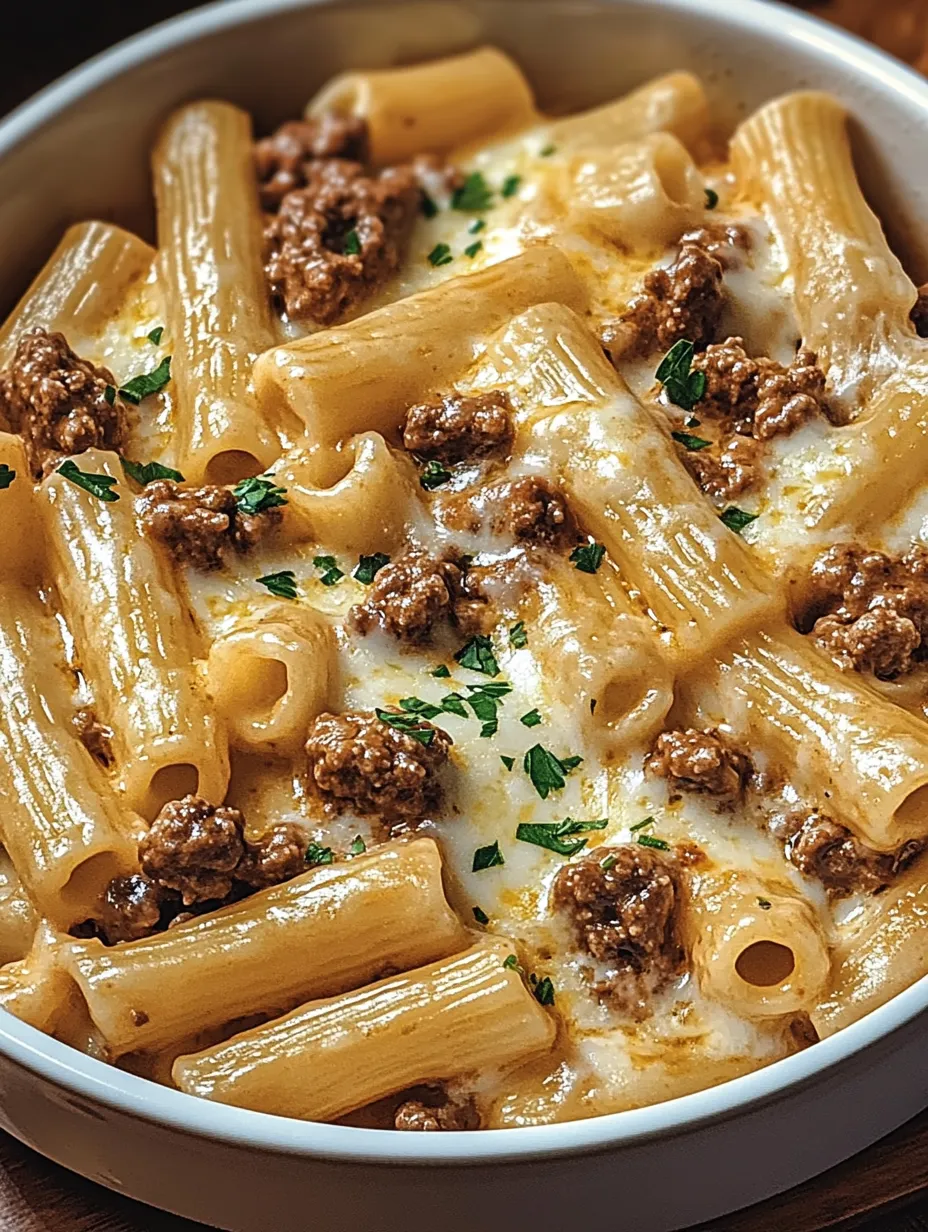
[{"x": 141, "y": 1098}]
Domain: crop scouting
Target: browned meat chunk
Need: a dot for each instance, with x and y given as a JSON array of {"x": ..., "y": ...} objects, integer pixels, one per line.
[
  {"x": 868, "y": 610},
  {"x": 95, "y": 737},
  {"x": 278, "y": 856},
  {"x": 684, "y": 301},
  {"x": 727, "y": 242},
  {"x": 531, "y": 509},
  {"x": 623, "y": 902},
  {"x": 725, "y": 470},
  {"x": 823, "y": 848},
  {"x": 194, "y": 848},
  {"x": 434, "y": 1111},
  {"x": 759, "y": 397},
  {"x": 459, "y": 427},
  {"x": 283, "y": 161},
  {"x": 332, "y": 243},
  {"x": 131, "y": 908},
  {"x": 700, "y": 761},
  {"x": 919, "y": 313},
  {"x": 59, "y": 402},
  {"x": 199, "y": 524},
  {"x": 359, "y": 762},
  {"x": 414, "y": 593}
]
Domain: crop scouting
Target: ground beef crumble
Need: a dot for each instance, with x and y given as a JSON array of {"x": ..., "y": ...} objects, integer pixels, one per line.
[
  {"x": 416, "y": 592},
  {"x": 458, "y": 427},
  {"x": 59, "y": 402},
  {"x": 728, "y": 242},
  {"x": 359, "y": 762},
  {"x": 131, "y": 908},
  {"x": 194, "y": 848},
  {"x": 531, "y": 509},
  {"x": 626, "y": 917},
  {"x": 94, "y": 736},
  {"x": 869, "y": 610},
  {"x": 198, "y": 525},
  {"x": 823, "y": 848},
  {"x": 435, "y": 1111},
  {"x": 700, "y": 761},
  {"x": 284, "y": 160}
]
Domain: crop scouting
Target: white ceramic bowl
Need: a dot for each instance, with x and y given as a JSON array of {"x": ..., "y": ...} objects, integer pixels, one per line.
[{"x": 80, "y": 149}]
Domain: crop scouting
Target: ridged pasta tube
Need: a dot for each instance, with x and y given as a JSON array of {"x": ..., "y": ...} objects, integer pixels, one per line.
[
  {"x": 674, "y": 104},
  {"x": 18, "y": 919}
]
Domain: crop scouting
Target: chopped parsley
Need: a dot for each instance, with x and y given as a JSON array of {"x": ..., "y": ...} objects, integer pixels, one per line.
[
  {"x": 415, "y": 705},
  {"x": 764, "y": 904},
  {"x": 588, "y": 557},
  {"x": 736, "y": 519},
  {"x": 487, "y": 857},
  {"x": 358, "y": 847},
  {"x": 472, "y": 249},
  {"x": 650, "y": 840},
  {"x": 474, "y": 194},
  {"x": 441, "y": 672},
  {"x": 480, "y": 915},
  {"x": 330, "y": 570},
  {"x": 369, "y": 566},
  {"x": 531, "y": 719},
  {"x": 156, "y": 334},
  {"x": 282, "y": 584},
  {"x": 453, "y": 703},
  {"x": 547, "y": 771},
  {"x": 97, "y": 485},
  {"x": 485, "y": 700},
  {"x": 692, "y": 422},
  {"x": 6, "y": 476},
  {"x": 508, "y": 762},
  {"x": 352, "y": 246},
  {"x": 690, "y": 442},
  {"x": 317, "y": 854},
  {"x": 147, "y": 383},
  {"x": 440, "y": 255},
  {"x": 683, "y": 388},
  {"x": 511, "y": 963},
  {"x": 608, "y": 862},
  {"x": 517, "y": 635},
  {"x": 433, "y": 475},
  {"x": 477, "y": 226},
  {"x": 109, "y": 394},
  {"x": 554, "y": 835},
  {"x": 712, "y": 198},
  {"x": 547, "y": 151},
  {"x": 543, "y": 989},
  {"x": 510, "y": 185},
  {"x": 257, "y": 494},
  {"x": 427, "y": 205},
  {"x": 145, "y": 473},
  {"x": 477, "y": 656},
  {"x": 642, "y": 825},
  {"x": 408, "y": 723}
]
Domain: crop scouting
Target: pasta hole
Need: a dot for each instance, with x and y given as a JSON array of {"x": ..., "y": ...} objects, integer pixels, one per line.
[
  {"x": 170, "y": 783},
  {"x": 255, "y": 685},
  {"x": 914, "y": 808},
  {"x": 90, "y": 879},
  {"x": 231, "y": 466},
  {"x": 765, "y": 963}
]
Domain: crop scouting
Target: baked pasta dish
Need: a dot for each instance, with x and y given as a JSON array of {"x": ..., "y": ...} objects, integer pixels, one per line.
[{"x": 464, "y": 609}]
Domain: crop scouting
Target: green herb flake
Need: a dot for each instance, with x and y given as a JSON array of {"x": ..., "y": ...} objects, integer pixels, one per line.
[
  {"x": 547, "y": 151},
  {"x": 352, "y": 245},
  {"x": 316, "y": 854},
  {"x": 472, "y": 249},
  {"x": 650, "y": 840},
  {"x": 145, "y": 473},
  {"x": 736, "y": 519},
  {"x": 440, "y": 255},
  {"x": 642, "y": 825},
  {"x": 97, "y": 485},
  {"x": 148, "y": 383},
  {"x": 511, "y": 963},
  {"x": 608, "y": 862},
  {"x": 358, "y": 847},
  {"x": 477, "y": 656},
  {"x": 411, "y": 724},
  {"x": 764, "y": 904},
  {"x": 531, "y": 719},
  {"x": 712, "y": 198},
  {"x": 487, "y": 857},
  {"x": 474, "y": 194},
  {"x": 156, "y": 335},
  {"x": 330, "y": 570},
  {"x": 518, "y": 638},
  {"x": 508, "y": 762},
  {"x": 453, "y": 703},
  {"x": 441, "y": 672},
  {"x": 433, "y": 475},
  {"x": 480, "y": 915},
  {"x": 547, "y": 771},
  {"x": 109, "y": 395},
  {"x": 415, "y": 705},
  {"x": 510, "y": 185},
  {"x": 554, "y": 835},
  {"x": 544, "y": 991},
  {"x": 484, "y": 701},
  {"x": 258, "y": 494},
  {"x": 368, "y": 567},
  {"x": 683, "y": 387},
  {"x": 690, "y": 442},
  {"x": 6, "y": 476},
  {"x": 282, "y": 584},
  {"x": 476, "y": 226},
  {"x": 427, "y": 206},
  {"x": 588, "y": 557}
]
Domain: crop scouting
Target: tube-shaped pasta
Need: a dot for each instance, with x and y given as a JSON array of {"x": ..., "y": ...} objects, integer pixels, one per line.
[
  {"x": 459, "y": 1016},
  {"x": 433, "y": 106},
  {"x": 674, "y": 104},
  {"x": 641, "y": 195},
  {"x": 209, "y": 234},
  {"x": 137, "y": 643},
  {"x": 843, "y": 744},
  {"x": 362, "y": 376},
  {"x": 36, "y": 989},
  {"x": 358, "y": 498},
  {"x": 271, "y": 677},
  {"x": 24, "y": 551},
  {"x": 757, "y": 946},
  {"x": 60, "y": 823},
  {"x": 326, "y": 931},
  {"x": 80, "y": 285},
  {"x": 18, "y": 919}
]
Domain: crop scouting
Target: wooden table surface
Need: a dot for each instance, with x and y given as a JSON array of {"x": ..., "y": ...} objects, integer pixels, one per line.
[{"x": 877, "y": 1191}]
